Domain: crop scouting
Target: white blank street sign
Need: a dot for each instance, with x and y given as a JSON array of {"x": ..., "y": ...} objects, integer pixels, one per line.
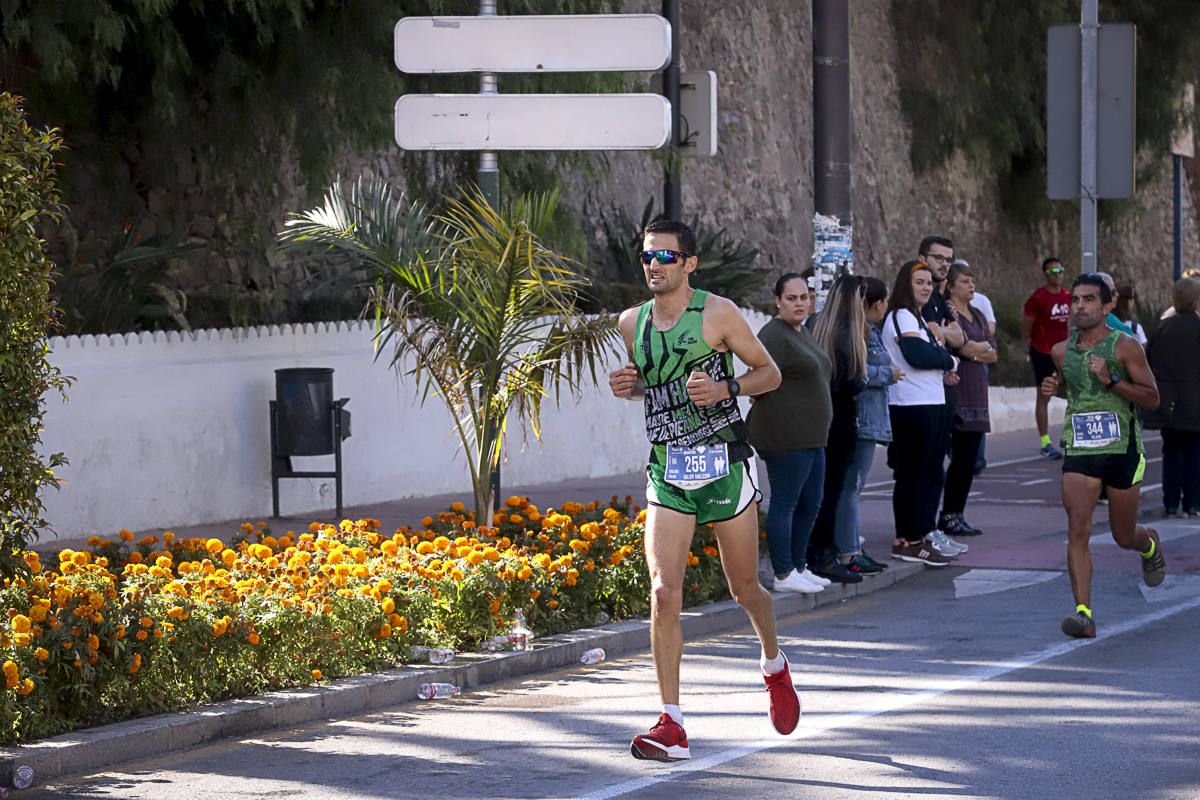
[
  {"x": 548, "y": 43},
  {"x": 532, "y": 121},
  {"x": 698, "y": 108}
]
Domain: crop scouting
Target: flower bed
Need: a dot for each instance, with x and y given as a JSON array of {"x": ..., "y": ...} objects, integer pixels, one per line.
[{"x": 128, "y": 629}]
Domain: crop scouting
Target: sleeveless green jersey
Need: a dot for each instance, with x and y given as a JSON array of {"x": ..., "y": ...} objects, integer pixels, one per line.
[
  {"x": 1087, "y": 396},
  {"x": 665, "y": 360}
]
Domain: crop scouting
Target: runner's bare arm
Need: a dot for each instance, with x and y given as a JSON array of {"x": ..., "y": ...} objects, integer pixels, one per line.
[
  {"x": 725, "y": 329},
  {"x": 627, "y": 382},
  {"x": 1056, "y": 384},
  {"x": 1141, "y": 387}
]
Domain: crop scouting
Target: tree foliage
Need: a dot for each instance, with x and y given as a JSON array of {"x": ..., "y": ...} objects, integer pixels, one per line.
[
  {"x": 473, "y": 300},
  {"x": 27, "y": 192},
  {"x": 973, "y": 79}
]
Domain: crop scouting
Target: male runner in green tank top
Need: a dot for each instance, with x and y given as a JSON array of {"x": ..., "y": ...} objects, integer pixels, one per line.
[
  {"x": 1105, "y": 374},
  {"x": 681, "y": 345}
]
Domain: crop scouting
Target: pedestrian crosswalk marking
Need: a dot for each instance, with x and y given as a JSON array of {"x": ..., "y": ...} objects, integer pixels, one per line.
[
  {"x": 987, "y": 581},
  {"x": 1173, "y": 587}
]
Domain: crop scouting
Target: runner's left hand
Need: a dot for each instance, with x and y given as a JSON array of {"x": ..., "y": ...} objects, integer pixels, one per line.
[
  {"x": 1099, "y": 367},
  {"x": 704, "y": 391}
]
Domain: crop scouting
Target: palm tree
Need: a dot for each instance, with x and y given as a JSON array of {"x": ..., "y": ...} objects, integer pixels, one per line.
[{"x": 482, "y": 308}]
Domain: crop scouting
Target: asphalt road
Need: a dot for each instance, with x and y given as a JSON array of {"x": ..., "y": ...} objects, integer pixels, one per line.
[{"x": 956, "y": 683}]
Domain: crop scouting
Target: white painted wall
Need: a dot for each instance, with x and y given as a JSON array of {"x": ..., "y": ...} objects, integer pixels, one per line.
[{"x": 169, "y": 430}]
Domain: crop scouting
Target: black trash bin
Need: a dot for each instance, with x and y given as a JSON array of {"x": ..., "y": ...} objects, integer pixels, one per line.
[
  {"x": 304, "y": 396},
  {"x": 306, "y": 421}
]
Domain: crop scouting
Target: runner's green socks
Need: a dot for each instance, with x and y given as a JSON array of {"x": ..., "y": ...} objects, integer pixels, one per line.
[
  {"x": 1046, "y": 440},
  {"x": 1150, "y": 553},
  {"x": 1084, "y": 609}
]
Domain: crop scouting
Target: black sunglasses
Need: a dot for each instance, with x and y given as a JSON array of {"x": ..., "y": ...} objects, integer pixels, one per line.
[{"x": 663, "y": 256}]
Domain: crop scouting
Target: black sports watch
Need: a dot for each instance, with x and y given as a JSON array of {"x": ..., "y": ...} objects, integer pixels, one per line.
[
  {"x": 1113, "y": 380},
  {"x": 735, "y": 388}
]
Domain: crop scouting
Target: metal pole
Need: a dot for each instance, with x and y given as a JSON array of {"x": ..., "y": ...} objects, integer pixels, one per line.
[
  {"x": 832, "y": 223},
  {"x": 1088, "y": 130},
  {"x": 1178, "y": 271},
  {"x": 672, "y": 173},
  {"x": 488, "y": 178},
  {"x": 488, "y": 181}
]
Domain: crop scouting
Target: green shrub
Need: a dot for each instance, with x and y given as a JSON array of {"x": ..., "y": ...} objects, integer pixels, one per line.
[{"x": 27, "y": 193}]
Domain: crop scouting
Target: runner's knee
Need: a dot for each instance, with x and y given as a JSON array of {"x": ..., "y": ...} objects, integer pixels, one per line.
[{"x": 666, "y": 598}]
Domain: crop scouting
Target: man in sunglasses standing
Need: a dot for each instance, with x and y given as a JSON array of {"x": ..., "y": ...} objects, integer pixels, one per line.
[
  {"x": 1045, "y": 325},
  {"x": 1105, "y": 375},
  {"x": 681, "y": 345}
]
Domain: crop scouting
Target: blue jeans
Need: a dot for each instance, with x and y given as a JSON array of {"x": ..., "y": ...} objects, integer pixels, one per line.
[
  {"x": 845, "y": 521},
  {"x": 797, "y": 479}
]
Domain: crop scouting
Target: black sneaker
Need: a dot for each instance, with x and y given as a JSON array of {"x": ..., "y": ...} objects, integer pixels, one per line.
[
  {"x": 865, "y": 566},
  {"x": 955, "y": 525},
  {"x": 876, "y": 565},
  {"x": 837, "y": 572},
  {"x": 1079, "y": 625},
  {"x": 1154, "y": 568}
]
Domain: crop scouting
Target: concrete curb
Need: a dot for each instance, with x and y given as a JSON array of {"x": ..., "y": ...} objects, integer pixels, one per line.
[{"x": 102, "y": 748}]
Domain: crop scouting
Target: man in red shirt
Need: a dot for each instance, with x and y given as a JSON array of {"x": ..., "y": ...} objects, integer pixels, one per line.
[{"x": 1045, "y": 325}]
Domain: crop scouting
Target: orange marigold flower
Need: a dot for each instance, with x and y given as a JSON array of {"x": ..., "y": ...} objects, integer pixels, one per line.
[
  {"x": 125, "y": 535},
  {"x": 93, "y": 642},
  {"x": 32, "y": 561},
  {"x": 21, "y": 624},
  {"x": 388, "y": 605},
  {"x": 252, "y": 638},
  {"x": 142, "y": 636},
  {"x": 491, "y": 554},
  {"x": 137, "y": 663},
  {"x": 523, "y": 573},
  {"x": 456, "y": 574},
  {"x": 516, "y": 519},
  {"x": 426, "y": 521},
  {"x": 474, "y": 558},
  {"x": 41, "y": 654},
  {"x": 458, "y": 507},
  {"x": 552, "y": 604},
  {"x": 316, "y": 673},
  {"x": 535, "y": 594}
]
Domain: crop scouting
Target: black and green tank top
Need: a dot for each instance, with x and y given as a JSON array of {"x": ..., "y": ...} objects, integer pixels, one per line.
[
  {"x": 1087, "y": 396},
  {"x": 666, "y": 359}
]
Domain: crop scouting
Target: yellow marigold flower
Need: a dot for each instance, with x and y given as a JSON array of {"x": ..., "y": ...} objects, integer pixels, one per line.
[
  {"x": 384, "y": 631},
  {"x": 32, "y": 561},
  {"x": 21, "y": 623},
  {"x": 441, "y": 544},
  {"x": 491, "y": 554},
  {"x": 542, "y": 560},
  {"x": 163, "y": 562},
  {"x": 219, "y": 627},
  {"x": 125, "y": 535},
  {"x": 425, "y": 548},
  {"x": 11, "y": 676},
  {"x": 25, "y": 686},
  {"x": 580, "y": 546},
  {"x": 456, "y": 574},
  {"x": 388, "y": 605},
  {"x": 474, "y": 558},
  {"x": 228, "y": 557},
  {"x": 81, "y": 559},
  {"x": 214, "y": 546},
  {"x": 389, "y": 548},
  {"x": 523, "y": 573},
  {"x": 41, "y": 654},
  {"x": 316, "y": 673},
  {"x": 65, "y": 555}
]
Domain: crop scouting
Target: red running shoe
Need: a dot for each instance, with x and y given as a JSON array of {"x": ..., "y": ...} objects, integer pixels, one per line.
[
  {"x": 666, "y": 741},
  {"x": 785, "y": 703}
]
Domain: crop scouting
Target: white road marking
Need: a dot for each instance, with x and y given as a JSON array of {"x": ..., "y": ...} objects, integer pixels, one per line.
[
  {"x": 987, "y": 581},
  {"x": 1173, "y": 587},
  {"x": 1036, "y": 481},
  {"x": 1167, "y": 531},
  {"x": 891, "y": 701}
]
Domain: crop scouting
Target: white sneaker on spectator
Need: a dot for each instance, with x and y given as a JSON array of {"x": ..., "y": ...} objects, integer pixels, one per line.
[
  {"x": 793, "y": 582},
  {"x": 945, "y": 545},
  {"x": 812, "y": 577}
]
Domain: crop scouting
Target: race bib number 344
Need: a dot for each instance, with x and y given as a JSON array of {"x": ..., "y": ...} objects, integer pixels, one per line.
[
  {"x": 693, "y": 467},
  {"x": 1097, "y": 429}
]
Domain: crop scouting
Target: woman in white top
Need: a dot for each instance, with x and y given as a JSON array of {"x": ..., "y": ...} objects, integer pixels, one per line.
[{"x": 917, "y": 408}]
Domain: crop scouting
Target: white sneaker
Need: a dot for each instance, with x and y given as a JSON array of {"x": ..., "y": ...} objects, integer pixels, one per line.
[
  {"x": 795, "y": 583},
  {"x": 812, "y": 577},
  {"x": 945, "y": 545}
]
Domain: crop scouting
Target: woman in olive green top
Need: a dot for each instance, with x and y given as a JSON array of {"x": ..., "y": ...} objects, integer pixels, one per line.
[{"x": 789, "y": 428}]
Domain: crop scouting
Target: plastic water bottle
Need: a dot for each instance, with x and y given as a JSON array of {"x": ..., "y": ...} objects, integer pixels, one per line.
[
  {"x": 22, "y": 778},
  {"x": 419, "y": 651},
  {"x": 441, "y": 655},
  {"x": 593, "y": 656},
  {"x": 496, "y": 643},
  {"x": 438, "y": 691},
  {"x": 519, "y": 636}
]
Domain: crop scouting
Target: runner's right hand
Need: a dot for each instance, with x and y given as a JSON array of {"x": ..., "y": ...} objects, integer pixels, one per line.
[
  {"x": 623, "y": 380},
  {"x": 1050, "y": 386},
  {"x": 897, "y": 374}
]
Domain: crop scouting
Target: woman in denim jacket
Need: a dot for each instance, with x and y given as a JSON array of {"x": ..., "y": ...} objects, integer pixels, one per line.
[{"x": 874, "y": 421}]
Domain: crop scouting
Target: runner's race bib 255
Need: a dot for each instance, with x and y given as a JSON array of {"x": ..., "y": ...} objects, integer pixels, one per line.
[{"x": 693, "y": 467}]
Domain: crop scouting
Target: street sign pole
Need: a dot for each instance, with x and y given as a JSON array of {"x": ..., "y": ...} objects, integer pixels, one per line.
[
  {"x": 1182, "y": 146},
  {"x": 488, "y": 177},
  {"x": 672, "y": 194},
  {"x": 1089, "y": 89}
]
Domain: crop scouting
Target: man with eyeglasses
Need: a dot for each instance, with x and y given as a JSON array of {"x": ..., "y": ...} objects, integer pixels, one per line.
[
  {"x": 938, "y": 253},
  {"x": 1105, "y": 374},
  {"x": 681, "y": 345},
  {"x": 1045, "y": 324}
]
